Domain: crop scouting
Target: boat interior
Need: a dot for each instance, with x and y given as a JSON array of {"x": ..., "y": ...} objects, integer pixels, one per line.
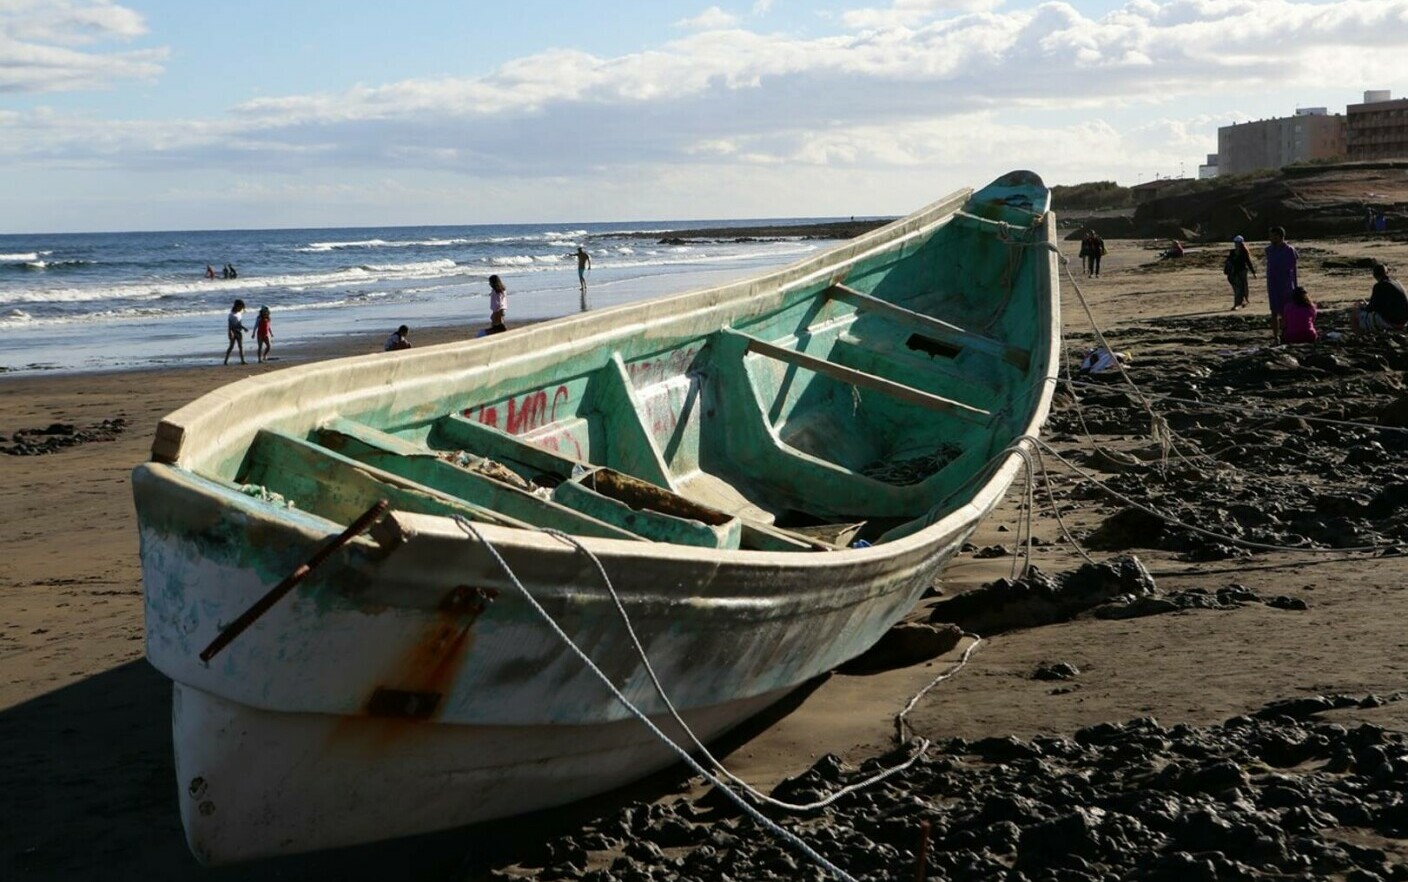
[{"x": 849, "y": 413}]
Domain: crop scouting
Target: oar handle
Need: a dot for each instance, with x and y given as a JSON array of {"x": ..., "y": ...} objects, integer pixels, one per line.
[{"x": 275, "y": 594}]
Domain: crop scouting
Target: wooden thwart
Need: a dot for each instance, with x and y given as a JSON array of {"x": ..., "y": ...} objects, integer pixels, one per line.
[
  {"x": 863, "y": 380},
  {"x": 942, "y": 330}
]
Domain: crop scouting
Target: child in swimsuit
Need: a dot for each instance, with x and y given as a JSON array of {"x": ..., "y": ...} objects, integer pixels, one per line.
[{"x": 263, "y": 333}]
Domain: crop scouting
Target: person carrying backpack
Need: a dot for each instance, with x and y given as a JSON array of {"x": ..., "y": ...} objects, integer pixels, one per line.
[{"x": 1236, "y": 267}]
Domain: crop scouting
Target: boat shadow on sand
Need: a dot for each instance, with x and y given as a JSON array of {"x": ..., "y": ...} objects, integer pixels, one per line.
[{"x": 91, "y": 789}]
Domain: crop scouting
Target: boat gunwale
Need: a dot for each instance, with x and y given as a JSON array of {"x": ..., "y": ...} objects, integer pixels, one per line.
[{"x": 602, "y": 328}]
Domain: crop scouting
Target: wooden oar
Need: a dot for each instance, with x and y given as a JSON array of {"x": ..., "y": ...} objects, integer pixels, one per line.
[{"x": 263, "y": 604}]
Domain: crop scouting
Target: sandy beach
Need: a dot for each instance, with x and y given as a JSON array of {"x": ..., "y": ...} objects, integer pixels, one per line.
[{"x": 84, "y": 738}]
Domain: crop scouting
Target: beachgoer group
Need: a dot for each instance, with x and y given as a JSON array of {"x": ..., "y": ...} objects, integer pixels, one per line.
[
  {"x": 1092, "y": 248},
  {"x": 227, "y": 272}
]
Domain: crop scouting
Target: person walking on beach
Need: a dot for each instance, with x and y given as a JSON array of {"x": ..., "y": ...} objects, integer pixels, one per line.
[
  {"x": 1280, "y": 277},
  {"x": 399, "y": 339},
  {"x": 1236, "y": 267},
  {"x": 236, "y": 330},
  {"x": 498, "y": 305},
  {"x": 263, "y": 334},
  {"x": 584, "y": 263},
  {"x": 1085, "y": 261},
  {"x": 1387, "y": 306},
  {"x": 1298, "y": 315},
  {"x": 1097, "y": 251}
]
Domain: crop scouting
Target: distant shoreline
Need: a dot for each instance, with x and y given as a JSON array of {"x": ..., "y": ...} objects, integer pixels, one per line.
[{"x": 824, "y": 230}]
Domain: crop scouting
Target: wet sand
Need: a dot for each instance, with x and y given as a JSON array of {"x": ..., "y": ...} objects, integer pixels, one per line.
[{"x": 84, "y": 743}]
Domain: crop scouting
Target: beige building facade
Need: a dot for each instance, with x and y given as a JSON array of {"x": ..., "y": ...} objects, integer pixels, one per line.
[{"x": 1275, "y": 143}]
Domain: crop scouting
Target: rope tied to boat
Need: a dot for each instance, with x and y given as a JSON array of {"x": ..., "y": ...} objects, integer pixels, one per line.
[
  {"x": 718, "y": 780},
  {"x": 758, "y": 817},
  {"x": 689, "y": 732}
]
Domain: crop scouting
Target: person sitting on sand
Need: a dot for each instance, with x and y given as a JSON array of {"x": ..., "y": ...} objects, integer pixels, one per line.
[
  {"x": 1298, "y": 318},
  {"x": 1175, "y": 249},
  {"x": 498, "y": 306},
  {"x": 236, "y": 330},
  {"x": 263, "y": 334},
  {"x": 1387, "y": 306},
  {"x": 1280, "y": 277},
  {"x": 1236, "y": 267},
  {"x": 398, "y": 340}
]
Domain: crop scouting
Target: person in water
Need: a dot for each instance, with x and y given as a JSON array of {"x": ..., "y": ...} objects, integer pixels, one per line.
[
  {"x": 1298, "y": 318},
  {"x": 209, "y": 271},
  {"x": 263, "y": 334},
  {"x": 399, "y": 339},
  {"x": 584, "y": 263},
  {"x": 236, "y": 330},
  {"x": 498, "y": 305}
]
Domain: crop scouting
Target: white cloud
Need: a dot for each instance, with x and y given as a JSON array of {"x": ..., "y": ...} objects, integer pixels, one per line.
[
  {"x": 40, "y": 40},
  {"x": 762, "y": 7},
  {"x": 906, "y": 13},
  {"x": 951, "y": 94},
  {"x": 711, "y": 19}
]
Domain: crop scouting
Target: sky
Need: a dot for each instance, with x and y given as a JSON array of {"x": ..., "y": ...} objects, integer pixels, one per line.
[{"x": 172, "y": 114}]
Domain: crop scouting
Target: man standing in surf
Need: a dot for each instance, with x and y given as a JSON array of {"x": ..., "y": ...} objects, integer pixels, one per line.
[
  {"x": 584, "y": 263},
  {"x": 1280, "y": 278}
]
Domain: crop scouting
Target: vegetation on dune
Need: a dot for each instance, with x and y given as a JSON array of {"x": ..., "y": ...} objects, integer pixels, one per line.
[{"x": 1091, "y": 196}]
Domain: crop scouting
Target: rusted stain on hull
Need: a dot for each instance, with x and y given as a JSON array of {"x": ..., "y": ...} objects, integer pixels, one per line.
[{"x": 414, "y": 689}]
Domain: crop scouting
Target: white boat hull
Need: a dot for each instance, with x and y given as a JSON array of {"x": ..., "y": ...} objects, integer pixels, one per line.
[{"x": 325, "y": 781}]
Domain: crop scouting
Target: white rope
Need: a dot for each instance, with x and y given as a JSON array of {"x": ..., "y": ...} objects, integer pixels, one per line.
[
  {"x": 1056, "y": 509},
  {"x": 689, "y": 733},
  {"x": 786, "y": 835},
  {"x": 901, "y": 724}
]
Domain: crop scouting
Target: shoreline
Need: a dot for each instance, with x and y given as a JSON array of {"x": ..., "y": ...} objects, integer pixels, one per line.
[
  {"x": 84, "y": 720},
  {"x": 848, "y": 229}
]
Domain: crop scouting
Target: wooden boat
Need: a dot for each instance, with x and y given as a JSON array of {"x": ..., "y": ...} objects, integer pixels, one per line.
[{"x": 771, "y": 472}]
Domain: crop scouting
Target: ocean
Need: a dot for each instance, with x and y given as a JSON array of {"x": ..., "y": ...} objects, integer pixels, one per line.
[{"x": 105, "y": 301}]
